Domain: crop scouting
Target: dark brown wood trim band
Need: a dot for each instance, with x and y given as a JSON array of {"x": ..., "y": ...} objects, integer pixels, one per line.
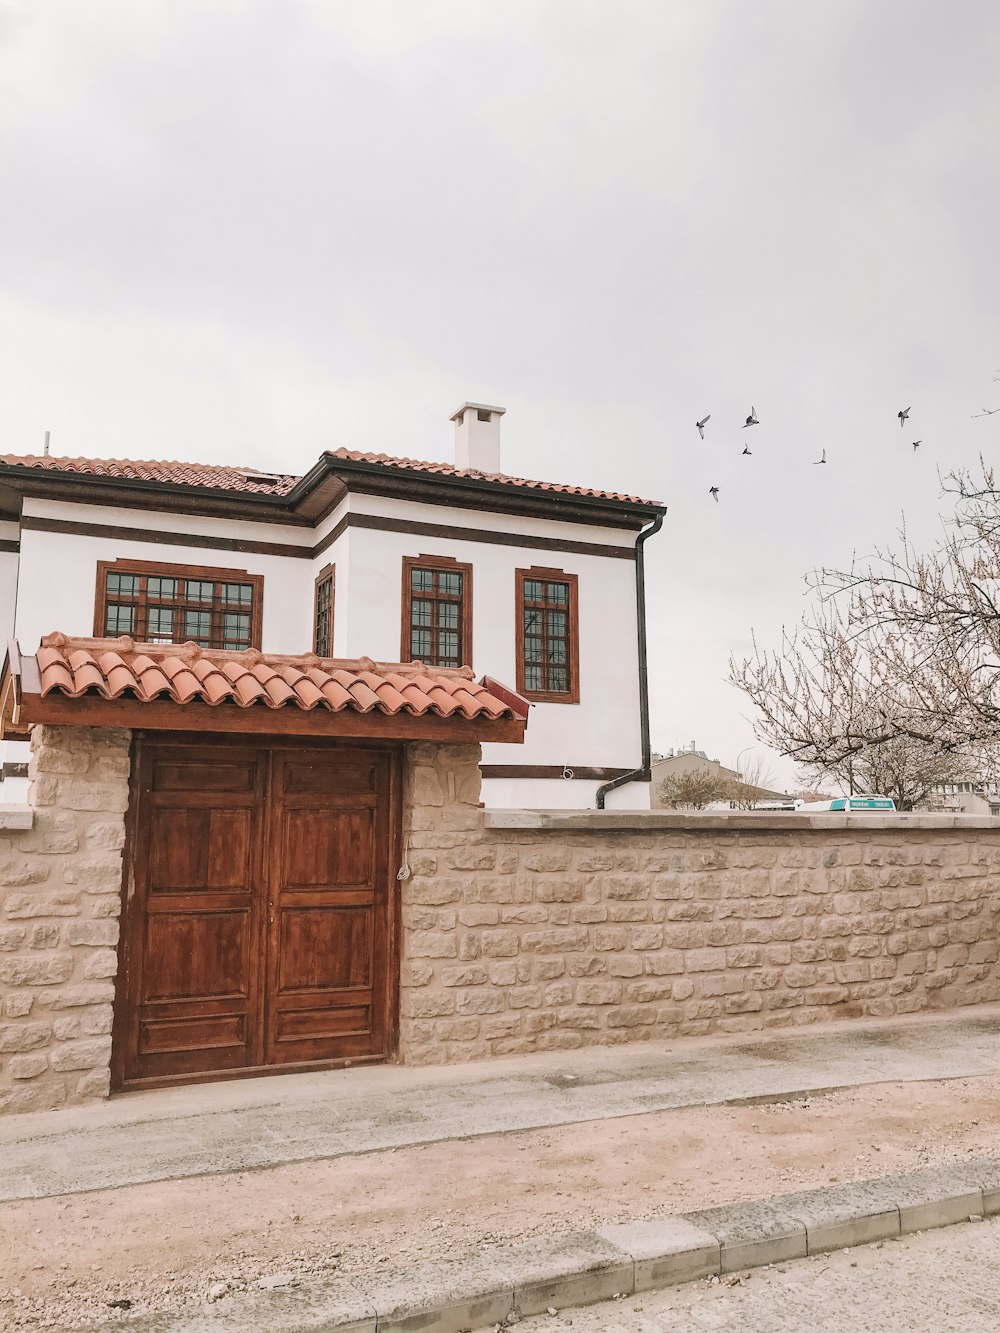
[
  {"x": 371, "y": 521},
  {"x": 484, "y": 536},
  {"x": 8, "y": 544},
  {"x": 158, "y": 538},
  {"x": 163, "y": 715},
  {"x": 572, "y": 772}
]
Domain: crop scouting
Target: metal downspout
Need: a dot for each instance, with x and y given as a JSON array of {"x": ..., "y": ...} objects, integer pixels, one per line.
[{"x": 641, "y": 774}]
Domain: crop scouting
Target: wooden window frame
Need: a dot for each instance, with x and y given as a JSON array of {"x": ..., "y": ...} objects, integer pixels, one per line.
[
  {"x": 167, "y": 569},
  {"x": 327, "y": 572},
  {"x": 546, "y": 575},
  {"x": 446, "y": 564}
]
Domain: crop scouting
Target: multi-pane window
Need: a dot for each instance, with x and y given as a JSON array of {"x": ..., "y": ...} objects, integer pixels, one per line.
[
  {"x": 154, "y": 603},
  {"x": 547, "y": 657},
  {"x": 323, "y": 636},
  {"x": 437, "y": 607}
]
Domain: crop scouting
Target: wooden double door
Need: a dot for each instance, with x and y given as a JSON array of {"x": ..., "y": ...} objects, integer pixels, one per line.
[{"x": 260, "y": 923}]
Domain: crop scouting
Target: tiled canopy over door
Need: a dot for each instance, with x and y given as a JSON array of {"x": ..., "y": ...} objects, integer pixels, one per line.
[{"x": 260, "y": 919}]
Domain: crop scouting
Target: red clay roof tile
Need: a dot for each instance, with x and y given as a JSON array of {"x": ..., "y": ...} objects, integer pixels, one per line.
[
  {"x": 185, "y": 673},
  {"x": 501, "y": 478},
  {"x": 244, "y": 480}
]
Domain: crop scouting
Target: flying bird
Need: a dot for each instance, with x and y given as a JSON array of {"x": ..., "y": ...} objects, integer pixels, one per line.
[
  {"x": 917, "y": 444},
  {"x": 702, "y": 424},
  {"x": 751, "y": 419},
  {"x": 746, "y": 450},
  {"x": 714, "y": 493},
  {"x": 820, "y": 460},
  {"x": 902, "y": 416}
]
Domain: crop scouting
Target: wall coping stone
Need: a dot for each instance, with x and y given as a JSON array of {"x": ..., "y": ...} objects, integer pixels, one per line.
[
  {"x": 730, "y": 821},
  {"x": 16, "y": 816}
]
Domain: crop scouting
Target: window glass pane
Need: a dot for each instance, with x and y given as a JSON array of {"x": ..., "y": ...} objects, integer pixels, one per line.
[
  {"x": 448, "y": 645},
  {"x": 239, "y": 594},
  {"x": 236, "y": 626},
  {"x": 557, "y": 623},
  {"x": 532, "y": 621},
  {"x": 422, "y": 580},
  {"x": 451, "y": 584},
  {"x": 161, "y": 589},
  {"x": 532, "y": 678},
  {"x": 448, "y": 615},
  {"x": 532, "y": 650},
  {"x": 557, "y": 650},
  {"x": 123, "y": 585},
  {"x": 119, "y": 619},
  {"x": 198, "y": 590},
  {"x": 197, "y": 625},
  {"x": 532, "y": 590},
  {"x": 420, "y": 644},
  {"x": 558, "y": 593},
  {"x": 422, "y": 613},
  {"x": 557, "y": 679},
  {"x": 160, "y": 622}
]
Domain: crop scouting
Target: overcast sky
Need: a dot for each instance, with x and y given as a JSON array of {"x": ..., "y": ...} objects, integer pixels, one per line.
[{"x": 246, "y": 232}]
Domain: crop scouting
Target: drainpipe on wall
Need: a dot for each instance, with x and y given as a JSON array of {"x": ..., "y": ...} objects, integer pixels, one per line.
[{"x": 642, "y": 774}]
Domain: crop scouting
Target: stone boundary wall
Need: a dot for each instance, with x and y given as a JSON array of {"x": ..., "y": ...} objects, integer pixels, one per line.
[
  {"x": 60, "y": 898},
  {"x": 575, "y": 930}
]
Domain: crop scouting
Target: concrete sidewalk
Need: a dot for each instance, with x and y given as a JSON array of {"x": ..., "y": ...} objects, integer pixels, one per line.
[{"x": 258, "y": 1123}]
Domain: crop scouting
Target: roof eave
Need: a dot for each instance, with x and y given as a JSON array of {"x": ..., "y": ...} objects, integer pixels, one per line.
[
  {"x": 46, "y": 483},
  {"x": 56, "y": 709},
  {"x": 435, "y": 486}
]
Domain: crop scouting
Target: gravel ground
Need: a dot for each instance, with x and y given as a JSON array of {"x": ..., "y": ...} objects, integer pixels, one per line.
[
  {"x": 66, "y": 1261},
  {"x": 944, "y": 1281}
]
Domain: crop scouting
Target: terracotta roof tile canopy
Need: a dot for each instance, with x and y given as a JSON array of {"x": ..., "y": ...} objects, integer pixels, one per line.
[{"x": 182, "y": 687}]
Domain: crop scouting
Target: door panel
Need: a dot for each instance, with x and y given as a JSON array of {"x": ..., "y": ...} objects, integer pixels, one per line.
[
  {"x": 329, "y": 907},
  {"x": 194, "y": 916},
  {"x": 260, "y": 922}
]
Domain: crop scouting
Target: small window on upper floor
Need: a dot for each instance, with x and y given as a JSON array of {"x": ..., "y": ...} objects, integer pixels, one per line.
[
  {"x": 162, "y": 603},
  {"x": 437, "y": 611},
  {"x": 548, "y": 636},
  {"x": 323, "y": 617}
]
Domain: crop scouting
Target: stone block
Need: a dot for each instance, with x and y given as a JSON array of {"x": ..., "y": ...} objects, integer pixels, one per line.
[
  {"x": 577, "y": 1268},
  {"x": 35, "y": 969},
  {"x": 28, "y": 1066},
  {"x": 24, "y": 906},
  {"x": 44, "y": 935},
  {"x": 69, "y": 997},
  {"x": 24, "y": 1037},
  {"x": 666, "y": 1251},
  {"x": 94, "y": 1052},
  {"x": 753, "y": 1234},
  {"x": 92, "y": 932}
]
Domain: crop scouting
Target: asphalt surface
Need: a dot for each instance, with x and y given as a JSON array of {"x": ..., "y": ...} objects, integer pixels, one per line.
[
  {"x": 221, "y": 1127},
  {"x": 945, "y": 1281}
]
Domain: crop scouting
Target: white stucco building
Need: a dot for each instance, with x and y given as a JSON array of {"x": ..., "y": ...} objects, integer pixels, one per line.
[{"x": 535, "y": 585}]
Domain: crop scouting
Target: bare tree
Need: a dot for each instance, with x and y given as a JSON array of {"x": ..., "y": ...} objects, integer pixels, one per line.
[
  {"x": 696, "y": 789},
  {"x": 892, "y": 679},
  {"x": 752, "y": 785}
]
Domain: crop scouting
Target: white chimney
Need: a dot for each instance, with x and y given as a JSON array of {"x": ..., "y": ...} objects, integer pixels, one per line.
[{"x": 477, "y": 437}]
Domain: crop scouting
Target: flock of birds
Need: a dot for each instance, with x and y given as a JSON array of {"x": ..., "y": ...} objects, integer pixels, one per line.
[{"x": 754, "y": 420}]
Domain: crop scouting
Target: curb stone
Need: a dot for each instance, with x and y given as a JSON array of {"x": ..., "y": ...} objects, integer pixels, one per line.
[{"x": 507, "y": 1283}]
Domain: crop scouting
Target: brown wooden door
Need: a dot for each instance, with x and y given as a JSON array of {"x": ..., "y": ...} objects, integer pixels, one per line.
[
  {"x": 260, "y": 919},
  {"x": 328, "y": 907}
]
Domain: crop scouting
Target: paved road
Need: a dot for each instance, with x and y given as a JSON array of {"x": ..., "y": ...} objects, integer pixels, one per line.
[{"x": 945, "y": 1281}]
